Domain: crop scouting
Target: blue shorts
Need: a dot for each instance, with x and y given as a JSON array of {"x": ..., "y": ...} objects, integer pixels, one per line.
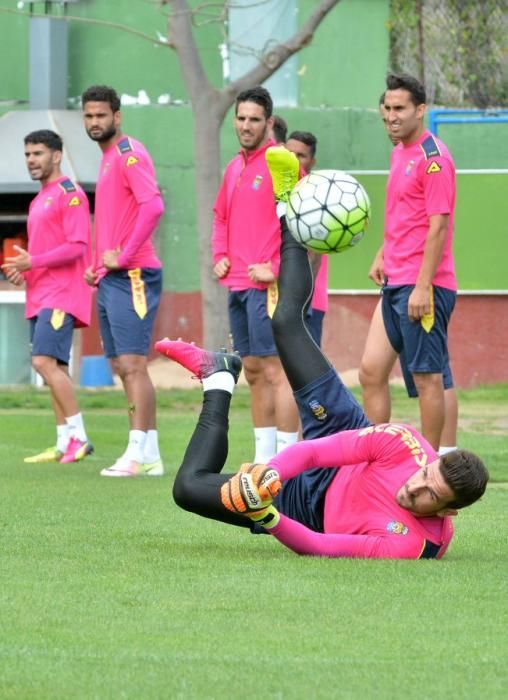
[
  {"x": 420, "y": 351},
  {"x": 314, "y": 322},
  {"x": 51, "y": 334},
  {"x": 127, "y": 302},
  {"x": 326, "y": 407},
  {"x": 409, "y": 382},
  {"x": 251, "y": 327}
]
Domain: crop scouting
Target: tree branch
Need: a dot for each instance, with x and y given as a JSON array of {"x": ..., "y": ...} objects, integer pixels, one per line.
[{"x": 272, "y": 59}]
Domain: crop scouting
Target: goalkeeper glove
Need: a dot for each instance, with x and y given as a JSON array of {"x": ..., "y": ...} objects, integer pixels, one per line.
[
  {"x": 267, "y": 518},
  {"x": 251, "y": 490}
]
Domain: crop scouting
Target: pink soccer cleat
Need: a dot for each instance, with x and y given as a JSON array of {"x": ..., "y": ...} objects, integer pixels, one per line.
[
  {"x": 76, "y": 451},
  {"x": 202, "y": 363}
]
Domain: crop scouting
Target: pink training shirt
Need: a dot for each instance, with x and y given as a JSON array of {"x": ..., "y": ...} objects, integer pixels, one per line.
[
  {"x": 246, "y": 228},
  {"x": 59, "y": 215},
  {"x": 320, "y": 296},
  {"x": 421, "y": 184},
  {"x": 361, "y": 515},
  {"x": 126, "y": 180}
]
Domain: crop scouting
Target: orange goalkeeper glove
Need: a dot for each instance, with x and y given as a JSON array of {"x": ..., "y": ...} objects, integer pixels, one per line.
[{"x": 251, "y": 490}]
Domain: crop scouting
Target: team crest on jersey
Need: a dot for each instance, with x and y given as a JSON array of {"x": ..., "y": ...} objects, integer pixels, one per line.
[
  {"x": 397, "y": 528},
  {"x": 48, "y": 202},
  {"x": 433, "y": 168},
  {"x": 318, "y": 410},
  {"x": 409, "y": 167},
  {"x": 75, "y": 202},
  {"x": 131, "y": 160},
  {"x": 256, "y": 183}
]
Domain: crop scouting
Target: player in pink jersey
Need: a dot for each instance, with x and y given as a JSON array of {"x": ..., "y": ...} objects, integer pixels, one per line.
[
  {"x": 57, "y": 297},
  {"x": 304, "y": 144},
  {"x": 376, "y": 368},
  {"x": 415, "y": 264},
  {"x": 127, "y": 271},
  {"x": 245, "y": 246},
  {"x": 349, "y": 489}
]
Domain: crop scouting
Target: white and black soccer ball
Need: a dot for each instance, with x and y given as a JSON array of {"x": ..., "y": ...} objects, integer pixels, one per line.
[{"x": 328, "y": 211}]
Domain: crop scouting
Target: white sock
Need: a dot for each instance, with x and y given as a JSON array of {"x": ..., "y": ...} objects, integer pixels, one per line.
[
  {"x": 62, "y": 437},
  {"x": 136, "y": 446},
  {"x": 76, "y": 427},
  {"x": 281, "y": 209},
  {"x": 151, "y": 452},
  {"x": 266, "y": 444},
  {"x": 285, "y": 439},
  {"x": 443, "y": 450},
  {"x": 219, "y": 380}
]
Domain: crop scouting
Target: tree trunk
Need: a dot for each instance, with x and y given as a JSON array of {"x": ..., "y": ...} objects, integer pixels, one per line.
[
  {"x": 210, "y": 107},
  {"x": 207, "y": 123}
]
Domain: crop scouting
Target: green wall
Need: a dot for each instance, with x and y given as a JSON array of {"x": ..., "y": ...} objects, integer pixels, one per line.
[
  {"x": 480, "y": 246},
  {"x": 346, "y": 63}
]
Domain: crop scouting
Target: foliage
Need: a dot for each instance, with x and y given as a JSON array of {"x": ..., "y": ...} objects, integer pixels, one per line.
[{"x": 457, "y": 48}]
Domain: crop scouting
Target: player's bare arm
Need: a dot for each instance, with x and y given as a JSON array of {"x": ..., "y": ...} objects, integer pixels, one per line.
[
  {"x": 90, "y": 276},
  {"x": 19, "y": 263},
  {"x": 419, "y": 300},
  {"x": 221, "y": 268},
  {"x": 261, "y": 272},
  {"x": 110, "y": 259},
  {"x": 377, "y": 270}
]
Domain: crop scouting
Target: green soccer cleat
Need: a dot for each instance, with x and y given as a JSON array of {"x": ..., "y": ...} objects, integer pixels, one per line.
[
  {"x": 284, "y": 168},
  {"x": 124, "y": 467},
  {"x": 51, "y": 454}
]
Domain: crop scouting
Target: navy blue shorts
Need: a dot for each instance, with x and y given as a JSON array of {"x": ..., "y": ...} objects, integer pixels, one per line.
[
  {"x": 409, "y": 382},
  {"x": 251, "y": 326},
  {"x": 314, "y": 322},
  {"x": 326, "y": 407},
  {"x": 51, "y": 334},
  {"x": 422, "y": 351},
  {"x": 127, "y": 302}
]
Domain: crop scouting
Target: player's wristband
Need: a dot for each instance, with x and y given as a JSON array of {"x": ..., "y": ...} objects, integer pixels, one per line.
[{"x": 267, "y": 518}]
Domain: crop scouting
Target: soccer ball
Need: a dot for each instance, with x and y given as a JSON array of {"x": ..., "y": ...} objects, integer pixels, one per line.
[{"x": 328, "y": 211}]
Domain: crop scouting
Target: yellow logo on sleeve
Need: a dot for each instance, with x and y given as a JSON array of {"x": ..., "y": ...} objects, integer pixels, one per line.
[
  {"x": 75, "y": 202},
  {"x": 131, "y": 160},
  {"x": 434, "y": 168}
]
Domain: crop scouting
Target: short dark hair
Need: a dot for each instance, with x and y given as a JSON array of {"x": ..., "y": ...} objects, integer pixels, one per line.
[
  {"x": 307, "y": 138},
  {"x": 48, "y": 138},
  {"x": 382, "y": 98},
  {"x": 466, "y": 475},
  {"x": 404, "y": 81},
  {"x": 101, "y": 93},
  {"x": 280, "y": 129},
  {"x": 258, "y": 95}
]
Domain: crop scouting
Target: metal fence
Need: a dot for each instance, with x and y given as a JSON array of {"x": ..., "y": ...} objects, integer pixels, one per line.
[{"x": 458, "y": 48}]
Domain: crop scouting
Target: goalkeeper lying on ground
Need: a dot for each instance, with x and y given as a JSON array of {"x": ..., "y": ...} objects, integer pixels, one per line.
[{"x": 349, "y": 489}]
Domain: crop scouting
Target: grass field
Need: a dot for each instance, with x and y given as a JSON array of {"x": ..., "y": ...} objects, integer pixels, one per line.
[{"x": 109, "y": 591}]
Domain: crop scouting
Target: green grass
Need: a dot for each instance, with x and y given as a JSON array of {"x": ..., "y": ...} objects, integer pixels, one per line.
[{"x": 107, "y": 590}]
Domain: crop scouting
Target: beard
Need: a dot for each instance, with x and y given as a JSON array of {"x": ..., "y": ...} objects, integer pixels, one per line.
[{"x": 102, "y": 136}]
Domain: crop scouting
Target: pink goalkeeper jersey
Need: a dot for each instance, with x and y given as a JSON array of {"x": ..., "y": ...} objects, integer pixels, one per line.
[
  {"x": 421, "y": 184},
  {"x": 126, "y": 180},
  {"x": 361, "y": 515},
  {"x": 246, "y": 228},
  {"x": 59, "y": 214}
]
